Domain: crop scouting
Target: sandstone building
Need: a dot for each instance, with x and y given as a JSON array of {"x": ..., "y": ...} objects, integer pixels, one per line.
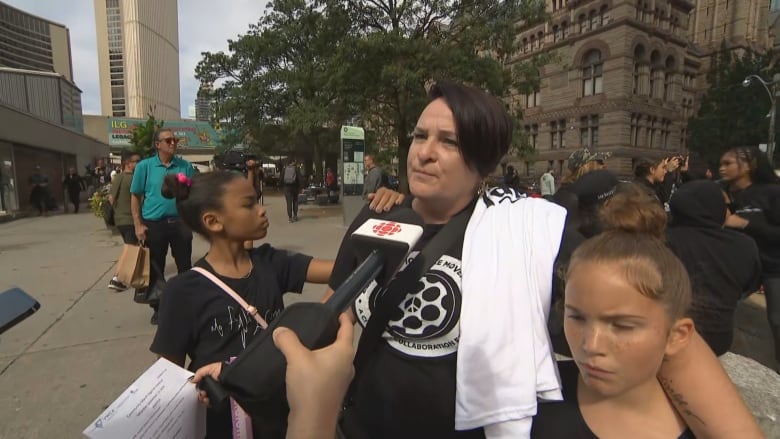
[{"x": 627, "y": 74}]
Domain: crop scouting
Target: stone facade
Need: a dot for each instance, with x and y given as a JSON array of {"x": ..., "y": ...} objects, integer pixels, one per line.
[{"x": 626, "y": 75}]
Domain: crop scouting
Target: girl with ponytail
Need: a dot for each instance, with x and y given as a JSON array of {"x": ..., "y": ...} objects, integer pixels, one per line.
[{"x": 198, "y": 318}]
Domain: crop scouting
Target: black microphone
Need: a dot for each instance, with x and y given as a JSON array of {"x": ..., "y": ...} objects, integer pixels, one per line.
[
  {"x": 256, "y": 378},
  {"x": 383, "y": 245}
]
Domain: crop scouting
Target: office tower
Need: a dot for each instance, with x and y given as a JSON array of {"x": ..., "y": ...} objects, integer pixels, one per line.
[
  {"x": 203, "y": 104},
  {"x": 33, "y": 43},
  {"x": 138, "y": 58}
]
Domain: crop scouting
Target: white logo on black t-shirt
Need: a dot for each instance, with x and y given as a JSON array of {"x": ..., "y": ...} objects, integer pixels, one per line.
[{"x": 426, "y": 323}]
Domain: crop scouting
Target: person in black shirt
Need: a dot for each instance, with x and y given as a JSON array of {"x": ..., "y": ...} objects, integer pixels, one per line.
[
  {"x": 657, "y": 178},
  {"x": 625, "y": 304},
  {"x": 754, "y": 190},
  {"x": 201, "y": 321},
  {"x": 407, "y": 388},
  {"x": 653, "y": 287},
  {"x": 74, "y": 184},
  {"x": 723, "y": 264}
]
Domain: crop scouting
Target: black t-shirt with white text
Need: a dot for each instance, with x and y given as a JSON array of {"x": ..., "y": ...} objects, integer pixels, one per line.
[
  {"x": 407, "y": 388},
  {"x": 198, "y": 319}
]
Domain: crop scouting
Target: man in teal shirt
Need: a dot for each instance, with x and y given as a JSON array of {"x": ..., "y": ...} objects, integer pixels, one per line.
[{"x": 156, "y": 220}]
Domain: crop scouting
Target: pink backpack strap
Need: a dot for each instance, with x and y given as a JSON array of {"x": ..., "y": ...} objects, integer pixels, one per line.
[{"x": 247, "y": 307}]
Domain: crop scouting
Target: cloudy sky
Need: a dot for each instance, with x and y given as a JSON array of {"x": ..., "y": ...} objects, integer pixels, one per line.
[{"x": 204, "y": 26}]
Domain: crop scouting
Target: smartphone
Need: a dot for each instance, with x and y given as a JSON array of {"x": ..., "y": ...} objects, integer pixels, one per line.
[{"x": 15, "y": 306}]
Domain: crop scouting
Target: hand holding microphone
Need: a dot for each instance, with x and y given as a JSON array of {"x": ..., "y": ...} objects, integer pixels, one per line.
[
  {"x": 256, "y": 378},
  {"x": 316, "y": 380}
]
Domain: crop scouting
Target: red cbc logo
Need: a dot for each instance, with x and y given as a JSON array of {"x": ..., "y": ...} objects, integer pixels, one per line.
[{"x": 386, "y": 229}]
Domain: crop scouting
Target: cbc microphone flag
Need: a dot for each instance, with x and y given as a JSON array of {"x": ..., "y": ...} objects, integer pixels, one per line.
[{"x": 401, "y": 233}]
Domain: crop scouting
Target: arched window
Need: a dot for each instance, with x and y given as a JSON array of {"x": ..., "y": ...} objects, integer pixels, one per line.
[
  {"x": 639, "y": 11},
  {"x": 592, "y": 73},
  {"x": 565, "y": 28},
  {"x": 557, "y": 34},
  {"x": 595, "y": 19},
  {"x": 655, "y": 68},
  {"x": 639, "y": 54},
  {"x": 534, "y": 44},
  {"x": 668, "y": 78},
  {"x": 526, "y": 45},
  {"x": 540, "y": 39},
  {"x": 584, "y": 24},
  {"x": 603, "y": 15}
]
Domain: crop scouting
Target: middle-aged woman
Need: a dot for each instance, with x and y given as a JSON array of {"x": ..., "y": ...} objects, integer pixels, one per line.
[
  {"x": 755, "y": 204},
  {"x": 466, "y": 354}
]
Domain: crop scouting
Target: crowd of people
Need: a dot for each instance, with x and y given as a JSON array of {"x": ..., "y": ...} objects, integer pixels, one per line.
[
  {"x": 636, "y": 282},
  {"x": 41, "y": 198}
]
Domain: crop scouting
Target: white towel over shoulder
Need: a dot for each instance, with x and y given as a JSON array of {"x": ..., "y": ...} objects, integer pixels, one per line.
[{"x": 505, "y": 360}]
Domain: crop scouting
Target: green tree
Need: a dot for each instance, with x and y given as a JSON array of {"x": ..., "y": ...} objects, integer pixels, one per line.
[
  {"x": 142, "y": 136},
  {"x": 276, "y": 79},
  {"x": 396, "y": 49},
  {"x": 315, "y": 64},
  {"x": 731, "y": 114}
]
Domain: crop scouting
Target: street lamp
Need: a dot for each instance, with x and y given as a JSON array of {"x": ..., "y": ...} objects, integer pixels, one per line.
[{"x": 770, "y": 147}]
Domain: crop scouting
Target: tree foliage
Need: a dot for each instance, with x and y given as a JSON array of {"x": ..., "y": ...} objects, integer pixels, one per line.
[
  {"x": 313, "y": 64},
  {"x": 732, "y": 114},
  {"x": 142, "y": 136}
]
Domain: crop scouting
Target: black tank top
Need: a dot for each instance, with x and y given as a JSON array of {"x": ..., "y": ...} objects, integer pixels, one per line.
[{"x": 564, "y": 419}]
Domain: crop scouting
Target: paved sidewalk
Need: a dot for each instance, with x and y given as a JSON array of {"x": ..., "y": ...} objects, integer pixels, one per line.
[{"x": 61, "y": 367}]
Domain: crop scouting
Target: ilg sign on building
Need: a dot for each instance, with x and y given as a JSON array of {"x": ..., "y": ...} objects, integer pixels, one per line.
[{"x": 191, "y": 134}]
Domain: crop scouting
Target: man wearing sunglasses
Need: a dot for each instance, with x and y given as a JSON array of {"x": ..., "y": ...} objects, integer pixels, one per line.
[{"x": 156, "y": 220}]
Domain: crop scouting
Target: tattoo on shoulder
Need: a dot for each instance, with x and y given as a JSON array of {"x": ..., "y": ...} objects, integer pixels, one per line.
[{"x": 679, "y": 401}]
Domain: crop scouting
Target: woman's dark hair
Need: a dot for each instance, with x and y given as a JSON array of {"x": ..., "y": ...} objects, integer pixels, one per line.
[
  {"x": 127, "y": 154},
  {"x": 194, "y": 196},
  {"x": 483, "y": 124},
  {"x": 643, "y": 168},
  {"x": 761, "y": 171}
]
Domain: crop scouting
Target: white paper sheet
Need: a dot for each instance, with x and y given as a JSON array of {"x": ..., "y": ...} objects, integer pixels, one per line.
[{"x": 160, "y": 404}]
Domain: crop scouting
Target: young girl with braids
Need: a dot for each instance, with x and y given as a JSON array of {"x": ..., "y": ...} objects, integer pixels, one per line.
[
  {"x": 198, "y": 319},
  {"x": 755, "y": 206}
]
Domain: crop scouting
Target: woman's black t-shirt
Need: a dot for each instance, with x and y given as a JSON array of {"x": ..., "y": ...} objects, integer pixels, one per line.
[
  {"x": 199, "y": 320},
  {"x": 564, "y": 419},
  {"x": 407, "y": 388}
]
